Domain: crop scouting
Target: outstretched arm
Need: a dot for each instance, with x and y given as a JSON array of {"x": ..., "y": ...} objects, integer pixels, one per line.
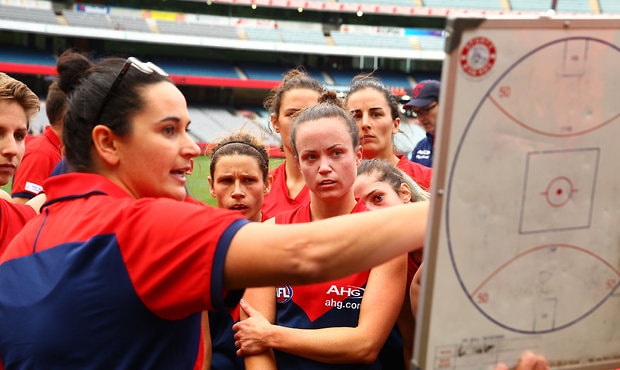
[{"x": 269, "y": 255}]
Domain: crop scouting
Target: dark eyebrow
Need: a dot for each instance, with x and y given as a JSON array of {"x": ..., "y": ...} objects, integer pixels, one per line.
[
  {"x": 171, "y": 118},
  {"x": 20, "y": 129},
  {"x": 335, "y": 146},
  {"x": 371, "y": 193},
  {"x": 309, "y": 151},
  {"x": 174, "y": 119}
]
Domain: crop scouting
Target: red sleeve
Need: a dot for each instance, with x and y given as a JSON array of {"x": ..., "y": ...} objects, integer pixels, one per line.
[
  {"x": 33, "y": 170},
  {"x": 426, "y": 175},
  {"x": 178, "y": 271},
  {"x": 421, "y": 174},
  {"x": 13, "y": 217}
]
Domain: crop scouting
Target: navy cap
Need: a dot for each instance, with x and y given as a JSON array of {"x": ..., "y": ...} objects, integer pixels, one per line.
[{"x": 424, "y": 93}]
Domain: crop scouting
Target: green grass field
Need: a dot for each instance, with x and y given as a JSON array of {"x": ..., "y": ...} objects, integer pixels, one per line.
[{"x": 197, "y": 184}]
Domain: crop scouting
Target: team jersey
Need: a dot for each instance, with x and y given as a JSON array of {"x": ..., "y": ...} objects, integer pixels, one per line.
[
  {"x": 420, "y": 174},
  {"x": 101, "y": 280},
  {"x": 42, "y": 154},
  {"x": 321, "y": 305},
  {"x": 423, "y": 151},
  {"x": 61, "y": 167},
  {"x": 13, "y": 217},
  {"x": 223, "y": 349},
  {"x": 278, "y": 200}
]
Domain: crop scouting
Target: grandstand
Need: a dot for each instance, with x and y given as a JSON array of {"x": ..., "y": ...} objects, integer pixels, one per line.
[
  {"x": 28, "y": 14},
  {"x": 225, "y": 54}
]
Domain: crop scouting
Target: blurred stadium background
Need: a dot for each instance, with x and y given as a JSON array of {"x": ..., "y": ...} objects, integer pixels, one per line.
[{"x": 225, "y": 55}]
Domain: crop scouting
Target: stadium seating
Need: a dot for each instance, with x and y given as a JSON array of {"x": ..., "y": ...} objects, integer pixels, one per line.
[
  {"x": 394, "y": 79},
  {"x": 421, "y": 76},
  {"x": 90, "y": 20},
  {"x": 302, "y": 36},
  {"x": 256, "y": 71},
  {"x": 342, "y": 78},
  {"x": 573, "y": 6},
  {"x": 374, "y": 40},
  {"x": 211, "y": 123},
  {"x": 610, "y": 6},
  {"x": 381, "y": 2},
  {"x": 26, "y": 56},
  {"x": 26, "y": 14},
  {"x": 429, "y": 42},
  {"x": 120, "y": 22},
  {"x": 198, "y": 68},
  {"x": 320, "y": 76},
  {"x": 197, "y": 29},
  {"x": 465, "y": 4},
  {"x": 530, "y": 5},
  {"x": 262, "y": 34}
]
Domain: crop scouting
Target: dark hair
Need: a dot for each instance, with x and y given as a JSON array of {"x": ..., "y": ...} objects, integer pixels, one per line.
[
  {"x": 368, "y": 81},
  {"x": 12, "y": 89},
  {"x": 55, "y": 104},
  {"x": 71, "y": 66},
  {"x": 241, "y": 143},
  {"x": 296, "y": 78},
  {"x": 93, "y": 93},
  {"x": 329, "y": 106},
  {"x": 386, "y": 172}
]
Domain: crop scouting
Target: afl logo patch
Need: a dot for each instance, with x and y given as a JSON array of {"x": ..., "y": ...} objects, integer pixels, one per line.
[
  {"x": 284, "y": 294},
  {"x": 478, "y": 56}
]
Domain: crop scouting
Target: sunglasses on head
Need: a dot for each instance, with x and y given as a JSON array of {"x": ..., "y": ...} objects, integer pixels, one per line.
[{"x": 144, "y": 67}]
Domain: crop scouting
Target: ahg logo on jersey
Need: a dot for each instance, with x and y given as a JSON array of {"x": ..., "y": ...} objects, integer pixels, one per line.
[
  {"x": 346, "y": 292},
  {"x": 284, "y": 294},
  {"x": 344, "y": 295},
  {"x": 423, "y": 154}
]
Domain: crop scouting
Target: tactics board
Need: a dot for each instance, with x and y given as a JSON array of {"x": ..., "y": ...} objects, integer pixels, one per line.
[{"x": 523, "y": 249}]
